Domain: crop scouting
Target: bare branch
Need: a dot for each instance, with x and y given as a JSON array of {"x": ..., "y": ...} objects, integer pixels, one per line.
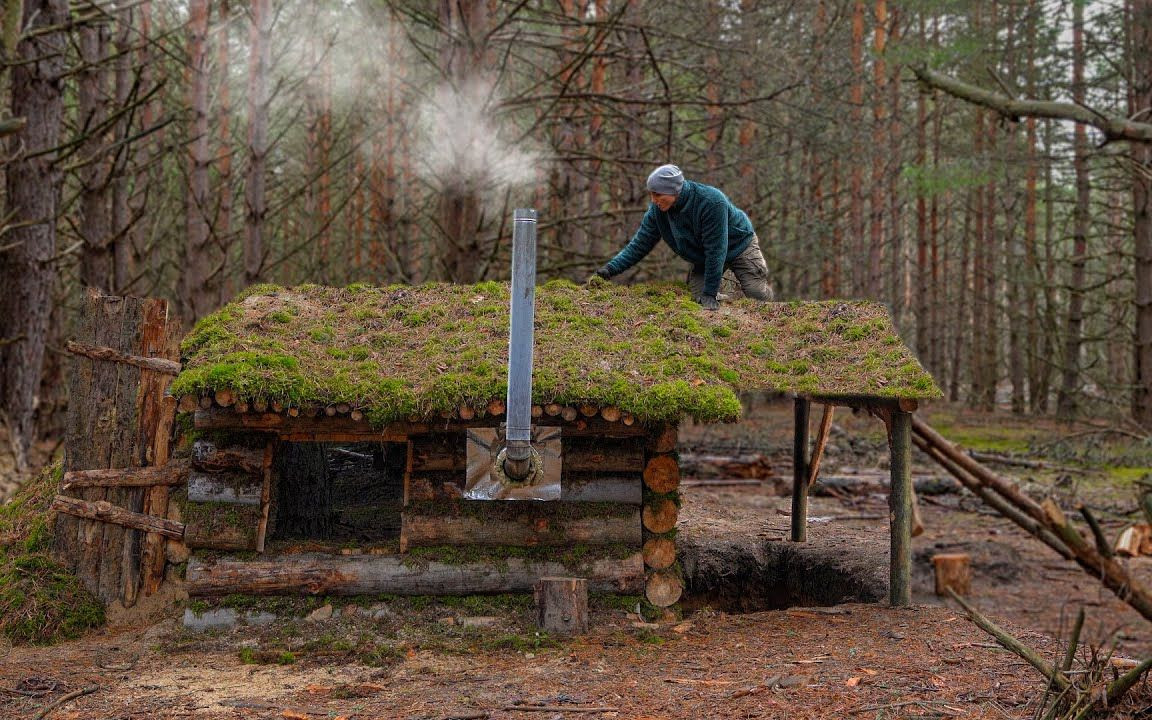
[{"x": 1113, "y": 127}]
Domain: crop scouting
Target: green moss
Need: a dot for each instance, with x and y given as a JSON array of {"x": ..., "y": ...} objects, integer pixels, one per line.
[
  {"x": 648, "y": 349},
  {"x": 41, "y": 602}
]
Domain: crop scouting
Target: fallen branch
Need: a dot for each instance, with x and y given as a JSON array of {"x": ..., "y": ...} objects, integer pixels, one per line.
[
  {"x": 1010, "y": 643},
  {"x": 64, "y": 700},
  {"x": 107, "y": 354},
  {"x": 1067, "y": 541}
]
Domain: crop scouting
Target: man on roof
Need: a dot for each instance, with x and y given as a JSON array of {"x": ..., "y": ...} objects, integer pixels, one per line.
[{"x": 702, "y": 226}]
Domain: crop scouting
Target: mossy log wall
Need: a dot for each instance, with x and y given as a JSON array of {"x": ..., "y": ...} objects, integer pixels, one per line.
[{"x": 619, "y": 492}]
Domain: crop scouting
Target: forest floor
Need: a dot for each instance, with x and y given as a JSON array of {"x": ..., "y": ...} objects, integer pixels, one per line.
[{"x": 479, "y": 657}]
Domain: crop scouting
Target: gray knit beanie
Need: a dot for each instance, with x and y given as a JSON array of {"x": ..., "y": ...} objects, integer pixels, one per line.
[{"x": 666, "y": 180}]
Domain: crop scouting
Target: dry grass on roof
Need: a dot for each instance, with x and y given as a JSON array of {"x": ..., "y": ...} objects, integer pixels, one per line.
[{"x": 400, "y": 351}]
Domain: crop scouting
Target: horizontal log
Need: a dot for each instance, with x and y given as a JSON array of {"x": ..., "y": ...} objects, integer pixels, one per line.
[
  {"x": 580, "y": 454},
  {"x": 317, "y": 574},
  {"x": 174, "y": 473},
  {"x": 105, "y": 511},
  {"x": 97, "y": 352},
  {"x": 593, "y": 487},
  {"x": 207, "y": 455},
  {"x": 322, "y": 428},
  {"x": 234, "y": 488},
  {"x": 528, "y": 530}
]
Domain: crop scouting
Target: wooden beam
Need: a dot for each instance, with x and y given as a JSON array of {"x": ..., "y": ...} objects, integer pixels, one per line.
[
  {"x": 265, "y": 496},
  {"x": 318, "y": 574},
  {"x": 800, "y": 410},
  {"x": 107, "y": 354},
  {"x": 207, "y": 455},
  {"x": 342, "y": 428},
  {"x": 527, "y": 530},
  {"x": 175, "y": 473},
  {"x": 105, "y": 511},
  {"x": 821, "y": 442},
  {"x": 900, "y": 506}
]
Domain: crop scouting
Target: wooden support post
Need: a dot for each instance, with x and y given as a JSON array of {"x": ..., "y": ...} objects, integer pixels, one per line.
[
  {"x": 265, "y": 496},
  {"x": 562, "y": 605},
  {"x": 900, "y": 507},
  {"x": 801, "y": 410}
]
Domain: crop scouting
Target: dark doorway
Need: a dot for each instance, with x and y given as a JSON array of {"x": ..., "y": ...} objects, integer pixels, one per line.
[{"x": 339, "y": 492}]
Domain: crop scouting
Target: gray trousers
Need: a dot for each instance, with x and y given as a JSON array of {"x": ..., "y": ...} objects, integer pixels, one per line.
[{"x": 750, "y": 270}]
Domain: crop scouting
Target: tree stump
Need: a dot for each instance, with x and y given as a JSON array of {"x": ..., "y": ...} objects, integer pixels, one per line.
[
  {"x": 562, "y": 605},
  {"x": 953, "y": 570}
]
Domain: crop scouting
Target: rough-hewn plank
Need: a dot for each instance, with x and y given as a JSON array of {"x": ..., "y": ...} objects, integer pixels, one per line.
[
  {"x": 175, "y": 473},
  {"x": 105, "y": 512},
  {"x": 316, "y": 574},
  {"x": 236, "y": 488},
  {"x": 107, "y": 354}
]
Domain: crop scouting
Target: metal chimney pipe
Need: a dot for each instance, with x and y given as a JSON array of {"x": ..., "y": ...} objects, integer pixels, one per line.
[{"x": 518, "y": 459}]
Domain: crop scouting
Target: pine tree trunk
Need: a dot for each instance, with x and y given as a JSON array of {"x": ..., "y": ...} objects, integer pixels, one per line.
[
  {"x": 879, "y": 125},
  {"x": 1068, "y": 400},
  {"x": 32, "y": 192},
  {"x": 856, "y": 182},
  {"x": 92, "y": 111},
  {"x": 200, "y": 276},
  {"x": 255, "y": 199},
  {"x": 222, "y": 226},
  {"x": 1141, "y": 100}
]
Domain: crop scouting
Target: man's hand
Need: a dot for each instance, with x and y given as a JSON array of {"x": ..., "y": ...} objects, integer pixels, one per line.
[
  {"x": 708, "y": 302},
  {"x": 602, "y": 274}
]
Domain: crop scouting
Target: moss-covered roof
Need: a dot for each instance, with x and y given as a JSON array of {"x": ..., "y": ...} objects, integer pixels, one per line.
[{"x": 400, "y": 351}]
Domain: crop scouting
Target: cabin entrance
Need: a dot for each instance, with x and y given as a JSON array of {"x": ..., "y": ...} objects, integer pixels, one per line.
[{"x": 340, "y": 493}]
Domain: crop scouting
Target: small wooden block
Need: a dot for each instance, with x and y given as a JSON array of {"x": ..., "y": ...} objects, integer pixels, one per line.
[
  {"x": 953, "y": 570},
  {"x": 562, "y": 605}
]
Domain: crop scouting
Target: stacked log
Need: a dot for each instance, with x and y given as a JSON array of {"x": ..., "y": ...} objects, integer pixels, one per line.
[{"x": 664, "y": 583}]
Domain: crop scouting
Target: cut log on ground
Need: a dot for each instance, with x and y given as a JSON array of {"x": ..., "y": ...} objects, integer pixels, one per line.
[
  {"x": 562, "y": 605},
  {"x": 1134, "y": 541},
  {"x": 953, "y": 571},
  {"x": 753, "y": 465},
  {"x": 175, "y": 473},
  {"x": 316, "y": 574},
  {"x": 105, "y": 511}
]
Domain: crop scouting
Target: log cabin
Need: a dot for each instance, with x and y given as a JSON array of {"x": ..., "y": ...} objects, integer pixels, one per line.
[{"x": 346, "y": 440}]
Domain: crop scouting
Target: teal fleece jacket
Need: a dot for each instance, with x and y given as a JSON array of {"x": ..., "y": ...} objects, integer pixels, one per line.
[{"x": 702, "y": 226}]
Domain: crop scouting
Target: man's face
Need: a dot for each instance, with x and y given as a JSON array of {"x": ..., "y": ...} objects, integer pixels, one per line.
[{"x": 662, "y": 201}]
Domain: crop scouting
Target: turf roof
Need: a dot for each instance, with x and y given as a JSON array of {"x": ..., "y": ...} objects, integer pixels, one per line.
[{"x": 400, "y": 351}]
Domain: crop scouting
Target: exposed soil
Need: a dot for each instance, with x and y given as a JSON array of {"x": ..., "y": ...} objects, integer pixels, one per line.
[{"x": 462, "y": 658}]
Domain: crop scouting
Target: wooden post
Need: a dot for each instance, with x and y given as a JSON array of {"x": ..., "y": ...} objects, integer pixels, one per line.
[
  {"x": 801, "y": 409},
  {"x": 265, "y": 496},
  {"x": 900, "y": 507},
  {"x": 562, "y": 605},
  {"x": 953, "y": 570}
]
